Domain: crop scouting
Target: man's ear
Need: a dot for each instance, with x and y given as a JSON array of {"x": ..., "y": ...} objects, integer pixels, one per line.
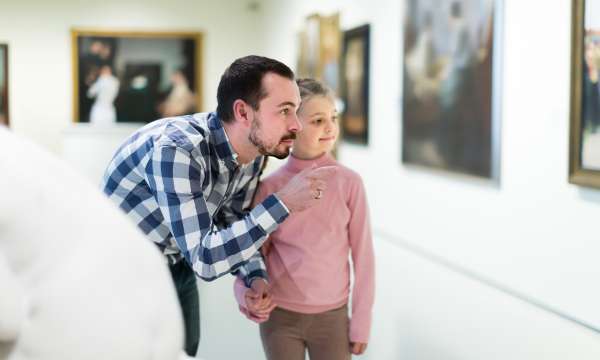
[{"x": 242, "y": 112}]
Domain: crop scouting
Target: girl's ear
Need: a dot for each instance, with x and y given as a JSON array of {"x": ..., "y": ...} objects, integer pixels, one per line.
[{"x": 241, "y": 112}]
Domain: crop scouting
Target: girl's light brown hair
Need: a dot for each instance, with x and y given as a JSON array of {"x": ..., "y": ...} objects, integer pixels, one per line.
[{"x": 311, "y": 87}]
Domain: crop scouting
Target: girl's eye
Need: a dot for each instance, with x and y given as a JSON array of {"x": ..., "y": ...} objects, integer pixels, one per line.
[{"x": 318, "y": 121}]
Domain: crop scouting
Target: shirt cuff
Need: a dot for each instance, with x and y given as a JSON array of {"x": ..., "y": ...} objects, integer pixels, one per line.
[
  {"x": 360, "y": 328},
  {"x": 282, "y": 203},
  {"x": 270, "y": 213},
  {"x": 256, "y": 274}
]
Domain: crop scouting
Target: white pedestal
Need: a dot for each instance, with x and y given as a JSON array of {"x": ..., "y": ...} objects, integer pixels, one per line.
[{"x": 89, "y": 148}]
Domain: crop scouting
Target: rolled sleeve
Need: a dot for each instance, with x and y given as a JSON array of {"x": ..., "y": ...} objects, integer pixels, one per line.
[{"x": 176, "y": 178}]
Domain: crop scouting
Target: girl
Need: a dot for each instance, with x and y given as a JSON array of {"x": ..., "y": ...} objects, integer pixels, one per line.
[{"x": 307, "y": 256}]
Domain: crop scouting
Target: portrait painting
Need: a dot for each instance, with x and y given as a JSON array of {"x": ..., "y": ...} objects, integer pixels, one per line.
[
  {"x": 448, "y": 117},
  {"x": 135, "y": 77},
  {"x": 585, "y": 94},
  {"x": 354, "y": 89}
]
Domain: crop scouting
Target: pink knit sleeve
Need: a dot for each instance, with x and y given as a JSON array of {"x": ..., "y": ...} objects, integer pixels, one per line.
[
  {"x": 361, "y": 243},
  {"x": 261, "y": 193},
  {"x": 239, "y": 290},
  {"x": 265, "y": 188}
]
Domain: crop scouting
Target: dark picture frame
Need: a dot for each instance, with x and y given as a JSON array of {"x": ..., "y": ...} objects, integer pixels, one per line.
[
  {"x": 584, "y": 147},
  {"x": 451, "y": 72},
  {"x": 4, "y": 104},
  {"x": 354, "y": 84},
  {"x": 135, "y": 76}
]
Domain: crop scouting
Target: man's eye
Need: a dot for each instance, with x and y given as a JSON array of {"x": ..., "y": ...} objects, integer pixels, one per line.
[
  {"x": 318, "y": 121},
  {"x": 285, "y": 111}
]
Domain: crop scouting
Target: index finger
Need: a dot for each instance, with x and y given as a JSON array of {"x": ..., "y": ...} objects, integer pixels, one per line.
[{"x": 323, "y": 172}]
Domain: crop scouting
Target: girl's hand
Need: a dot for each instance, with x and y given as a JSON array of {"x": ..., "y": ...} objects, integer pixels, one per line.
[
  {"x": 256, "y": 318},
  {"x": 259, "y": 301},
  {"x": 357, "y": 348}
]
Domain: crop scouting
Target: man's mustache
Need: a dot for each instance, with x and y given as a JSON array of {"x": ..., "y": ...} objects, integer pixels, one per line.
[{"x": 291, "y": 136}]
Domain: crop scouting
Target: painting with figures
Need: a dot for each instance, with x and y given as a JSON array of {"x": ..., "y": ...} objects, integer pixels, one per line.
[
  {"x": 135, "y": 76},
  {"x": 448, "y": 117}
]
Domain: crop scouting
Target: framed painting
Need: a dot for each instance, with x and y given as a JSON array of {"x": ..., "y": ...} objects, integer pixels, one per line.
[
  {"x": 584, "y": 164},
  {"x": 450, "y": 107},
  {"x": 320, "y": 49},
  {"x": 135, "y": 76},
  {"x": 354, "y": 85},
  {"x": 4, "y": 120}
]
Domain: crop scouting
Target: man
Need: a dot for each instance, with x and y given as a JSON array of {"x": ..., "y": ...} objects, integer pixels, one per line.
[{"x": 187, "y": 181}]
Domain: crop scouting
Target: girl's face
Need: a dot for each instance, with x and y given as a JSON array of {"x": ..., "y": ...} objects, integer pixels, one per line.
[{"x": 319, "y": 128}]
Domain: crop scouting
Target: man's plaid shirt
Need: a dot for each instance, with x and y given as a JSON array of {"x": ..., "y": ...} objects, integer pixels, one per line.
[{"x": 179, "y": 180}]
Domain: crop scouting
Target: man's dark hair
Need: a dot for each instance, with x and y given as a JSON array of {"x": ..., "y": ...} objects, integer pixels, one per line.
[{"x": 243, "y": 80}]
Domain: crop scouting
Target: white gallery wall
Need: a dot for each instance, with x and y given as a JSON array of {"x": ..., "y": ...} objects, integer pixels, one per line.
[{"x": 532, "y": 234}]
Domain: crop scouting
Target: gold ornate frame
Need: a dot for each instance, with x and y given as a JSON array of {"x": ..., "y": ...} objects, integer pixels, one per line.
[
  {"x": 578, "y": 174},
  {"x": 76, "y": 33}
]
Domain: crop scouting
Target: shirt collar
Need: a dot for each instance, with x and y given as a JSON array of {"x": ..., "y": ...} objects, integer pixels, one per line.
[{"x": 225, "y": 151}]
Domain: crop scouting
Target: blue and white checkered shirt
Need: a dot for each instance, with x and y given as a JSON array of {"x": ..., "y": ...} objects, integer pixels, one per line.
[{"x": 179, "y": 180}]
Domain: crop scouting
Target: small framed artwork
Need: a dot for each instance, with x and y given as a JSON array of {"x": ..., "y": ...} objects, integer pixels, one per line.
[
  {"x": 135, "y": 76},
  {"x": 354, "y": 89},
  {"x": 320, "y": 49},
  {"x": 4, "y": 85},
  {"x": 451, "y": 86},
  {"x": 584, "y": 164},
  {"x": 309, "y": 53}
]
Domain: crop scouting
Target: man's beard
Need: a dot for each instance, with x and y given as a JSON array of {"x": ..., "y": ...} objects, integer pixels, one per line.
[{"x": 256, "y": 140}]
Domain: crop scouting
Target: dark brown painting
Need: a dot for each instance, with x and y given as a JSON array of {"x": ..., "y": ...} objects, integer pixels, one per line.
[
  {"x": 354, "y": 89},
  {"x": 4, "y": 85}
]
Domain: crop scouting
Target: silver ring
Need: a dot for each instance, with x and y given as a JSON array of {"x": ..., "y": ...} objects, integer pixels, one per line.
[{"x": 319, "y": 194}]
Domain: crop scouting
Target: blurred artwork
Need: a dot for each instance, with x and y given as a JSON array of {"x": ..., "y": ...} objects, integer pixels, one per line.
[
  {"x": 354, "y": 88},
  {"x": 4, "y": 84},
  {"x": 104, "y": 90},
  {"x": 135, "y": 77},
  {"x": 585, "y": 94},
  {"x": 447, "y": 85},
  {"x": 320, "y": 49},
  {"x": 590, "y": 150},
  {"x": 319, "y": 52},
  {"x": 181, "y": 99}
]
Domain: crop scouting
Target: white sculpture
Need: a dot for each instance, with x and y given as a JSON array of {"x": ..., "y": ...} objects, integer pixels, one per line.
[{"x": 78, "y": 280}]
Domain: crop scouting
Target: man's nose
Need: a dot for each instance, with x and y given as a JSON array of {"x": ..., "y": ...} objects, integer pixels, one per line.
[{"x": 295, "y": 125}]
